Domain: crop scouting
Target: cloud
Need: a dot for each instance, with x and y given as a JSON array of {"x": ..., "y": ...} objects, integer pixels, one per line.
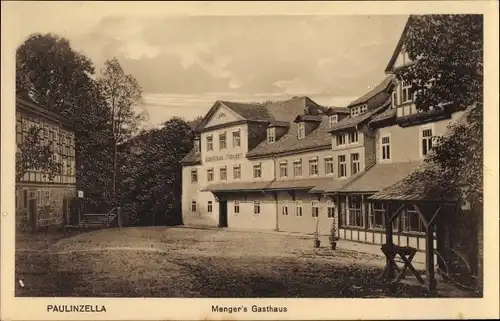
[{"x": 191, "y": 61}]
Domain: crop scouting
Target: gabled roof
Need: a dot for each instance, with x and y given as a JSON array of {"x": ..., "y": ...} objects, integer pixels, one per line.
[
  {"x": 381, "y": 87},
  {"x": 23, "y": 102},
  {"x": 247, "y": 111},
  {"x": 287, "y": 111},
  {"x": 308, "y": 118},
  {"x": 255, "y": 112},
  {"x": 382, "y": 117},
  {"x": 353, "y": 122},
  {"x": 278, "y": 123},
  {"x": 337, "y": 110},
  {"x": 394, "y": 56}
]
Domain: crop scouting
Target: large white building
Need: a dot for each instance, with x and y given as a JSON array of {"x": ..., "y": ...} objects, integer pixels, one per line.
[{"x": 296, "y": 165}]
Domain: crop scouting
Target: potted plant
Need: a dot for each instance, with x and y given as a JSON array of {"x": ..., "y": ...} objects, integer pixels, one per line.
[
  {"x": 317, "y": 242},
  {"x": 333, "y": 236}
]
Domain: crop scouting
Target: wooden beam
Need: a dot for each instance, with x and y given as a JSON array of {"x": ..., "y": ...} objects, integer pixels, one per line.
[
  {"x": 429, "y": 259},
  {"x": 434, "y": 216},
  {"x": 422, "y": 217},
  {"x": 395, "y": 214},
  {"x": 388, "y": 240}
]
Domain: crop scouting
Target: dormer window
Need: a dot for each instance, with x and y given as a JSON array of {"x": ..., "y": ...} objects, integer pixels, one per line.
[
  {"x": 197, "y": 145},
  {"x": 271, "y": 135},
  {"x": 301, "y": 130},
  {"x": 333, "y": 119},
  {"x": 358, "y": 110}
]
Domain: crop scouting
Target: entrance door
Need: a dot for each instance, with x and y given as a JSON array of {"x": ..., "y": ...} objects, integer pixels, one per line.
[{"x": 222, "y": 213}]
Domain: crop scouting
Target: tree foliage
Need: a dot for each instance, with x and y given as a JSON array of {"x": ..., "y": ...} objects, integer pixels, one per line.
[
  {"x": 58, "y": 78},
  {"x": 447, "y": 51},
  {"x": 34, "y": 155},
  {"x": 151, "y": 175}
]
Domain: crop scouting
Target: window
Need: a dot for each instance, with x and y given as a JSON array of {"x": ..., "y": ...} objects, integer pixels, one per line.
[
  {"x": 333, "y": 119},
  {"x": 314, "y": 209},
  {"x": 236, "y": 207},
  {"x": 376, "y": 218},
  {"x": 196, "y": 145},
  {"x": 194, "y": 176},
  {"x": 222, "y": 141},
  {"x": 426, "y": 141},
  {"x": 209, "y": 207},
  {"x": 394, "y": 101},
  {"x": 301, "y": 130},
  {"x": 298, "y": 208},
  {"x": 363, "y": 109},
  {"x": 355, "y": 164},
  {"x": 236, "y": 139},
  {"x": 341, "y": 139},
  {"x": 46, "y": 197},
  {"x": 297, "y": 168},
  {"x": 328, "y": 165},
  {"x": 256, "y": 207},
  {"x": 353, "y": 137},
  {"x": 237, "y": 172},
  {"x": 313, "y": 167},
  {"x": 25, "y": 199},
  {"x": 283, "y": 169},
  {"x": 330, "y": 209},
  {"x": 355, "y": 213},
  {"x": 342, "y": 166},
  {"x": 223, "y": 173},
  {"x": 284, "y": 209},
  {"x": 210, "y": 174},
  {"x": 193, "y": 206},
  {"x": 210, "y": 143},
  {"x": 354, "y": 111},
  {"x": 386, "y": 148},
  {"x": 271, "y": 135},
  {"x": 410, "y": 221},
  {"x": 406, "y": 94},
  {"x": 257, "y": 172}
]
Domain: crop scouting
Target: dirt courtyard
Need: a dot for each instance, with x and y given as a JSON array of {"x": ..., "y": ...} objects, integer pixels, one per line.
[{"x": 184, "y": 262}]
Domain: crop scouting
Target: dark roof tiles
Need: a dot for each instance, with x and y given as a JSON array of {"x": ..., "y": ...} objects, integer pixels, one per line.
[{"x": 372, "y": 93}]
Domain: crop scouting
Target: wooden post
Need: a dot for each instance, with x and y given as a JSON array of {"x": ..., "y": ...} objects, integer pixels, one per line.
[
  {"x": 119, "y": 216},
  {"x": 429, "y": 258},
  {"x": 389, "y": 240},
  {"x": 65, "y": 211},
  {"x": 32, "y": 215},
  {"x": 79, "y": 206}
]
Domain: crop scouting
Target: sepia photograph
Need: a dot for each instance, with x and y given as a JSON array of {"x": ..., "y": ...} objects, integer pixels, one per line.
[{"x": 272, "y": 156}]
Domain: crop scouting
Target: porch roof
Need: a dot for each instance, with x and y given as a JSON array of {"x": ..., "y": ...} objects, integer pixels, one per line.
[
  {"x": 380, "y": 176},
  {"x": 236, "y": 187},
  {"x": 330, "y": 186},
  {"x": 423, "y": 189},
  {"x": 294, "y": 184}
]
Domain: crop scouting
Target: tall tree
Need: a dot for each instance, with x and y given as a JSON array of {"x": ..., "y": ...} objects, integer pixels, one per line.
[
  {"x": 448, "y": 55},
  {"x": 122, "y": 93},
  {"x": 57, "y": 77}
]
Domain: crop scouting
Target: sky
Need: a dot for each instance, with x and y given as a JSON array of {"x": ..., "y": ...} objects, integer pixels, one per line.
[{"x": 185, "y": 62}]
